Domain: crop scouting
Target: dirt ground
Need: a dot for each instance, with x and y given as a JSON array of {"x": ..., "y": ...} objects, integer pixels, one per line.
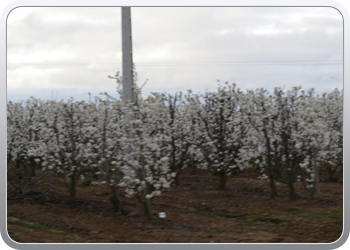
[{"x": 196, "y": 212}]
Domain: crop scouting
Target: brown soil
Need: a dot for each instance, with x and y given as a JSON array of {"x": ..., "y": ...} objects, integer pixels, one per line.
[{"x": 196, "y": 212}]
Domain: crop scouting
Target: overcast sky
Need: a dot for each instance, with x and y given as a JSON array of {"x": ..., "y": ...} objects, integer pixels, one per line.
[{"x": 62, "y": 52}]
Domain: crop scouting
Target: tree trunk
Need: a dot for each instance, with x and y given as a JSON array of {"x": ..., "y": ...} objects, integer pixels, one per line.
[
  {"x": 148, "y": 209},
  {"x": 176, "y": 178},
  {"x": 114, "y": 199},
  {"x": 292, "y": 193},
  {"x": 290, "y": 182},
  {"x": 222, "y": 180},
  {"x": 330, "y": 171},
  {"x": 72, "y": 188},
  {"x": 317, "y": 176},
  {"x": 273, "y": 188},
  {"x": 194, "y": 169},
  {"x": 32, "y": 165}
]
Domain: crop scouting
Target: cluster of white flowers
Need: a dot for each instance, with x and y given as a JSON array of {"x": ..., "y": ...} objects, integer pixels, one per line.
[
  {"x": 263, "y": 177},
  {"x": 290, "y": 129},
  {"x": 221, "y": 129},
  {"x": 145, "y": 151},
  {"x": 148, "y": 143}
]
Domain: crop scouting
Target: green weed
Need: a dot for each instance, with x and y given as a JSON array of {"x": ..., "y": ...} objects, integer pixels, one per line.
[
  {"x": 199, "y": 213},
  {"x": 264, "y": 218},
  {"x": 86, "y": 182},
  {"x": 39, "y": 226},
  {"x": 335, "y": 215},
  {"x": 27, "y": 224}
]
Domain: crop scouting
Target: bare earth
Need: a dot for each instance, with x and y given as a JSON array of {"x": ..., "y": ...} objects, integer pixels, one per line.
[{"x": 196, "y": 212}]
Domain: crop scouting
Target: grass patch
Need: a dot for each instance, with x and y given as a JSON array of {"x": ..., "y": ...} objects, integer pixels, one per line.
[
  {"x": 195, "y": 212},
  {"x": 310, "y": 215},
  {"x": 334, "y": 215},
  {"x": 264, "y": 219},
  {"x": 27, "y": 224},
  {"x": 252, "y": 218},
  {"x": 39, "y": 226},
  {"x": 289, "y": 209},
  {"x": 241, "y": 230},
  {"x": 199, "y": 213},
  {"x": 86, "y": 182}
]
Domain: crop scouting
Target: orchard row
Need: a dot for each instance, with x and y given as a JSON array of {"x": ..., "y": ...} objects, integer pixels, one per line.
[{"x": 143, "y": 146}]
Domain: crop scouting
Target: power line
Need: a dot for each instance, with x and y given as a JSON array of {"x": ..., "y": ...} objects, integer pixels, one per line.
[{"x": 197, "y": 63}]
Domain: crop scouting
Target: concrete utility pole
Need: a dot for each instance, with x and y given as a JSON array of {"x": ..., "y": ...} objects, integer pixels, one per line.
[{"x": 128, "y": 75}]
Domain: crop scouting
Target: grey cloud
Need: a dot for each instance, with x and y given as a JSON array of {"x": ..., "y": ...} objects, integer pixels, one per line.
[{"x": 186, "y": 35}]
